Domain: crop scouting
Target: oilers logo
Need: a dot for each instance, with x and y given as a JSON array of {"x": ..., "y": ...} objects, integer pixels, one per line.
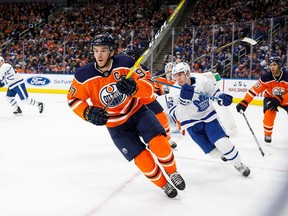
[
  {"x": 108, "y": 93},
  {"x": 278, "y": 91}
]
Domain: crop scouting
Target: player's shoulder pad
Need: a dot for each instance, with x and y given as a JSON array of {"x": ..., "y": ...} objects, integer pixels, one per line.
[
  {"x": 160, "y": 72},
  {"x": 266, "y": 77},
  {"x": 198, "y": 76},
  {"x": 86, "y": 72},
  {"x": 6, "y": 66},
  {"x": 123, "y": 61},
  {"x": 285, "y": 75},
  {"x": 144, "y": 67}
]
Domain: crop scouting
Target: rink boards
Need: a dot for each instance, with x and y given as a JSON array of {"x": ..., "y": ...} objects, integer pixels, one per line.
[{"x": 60, "y": 83}]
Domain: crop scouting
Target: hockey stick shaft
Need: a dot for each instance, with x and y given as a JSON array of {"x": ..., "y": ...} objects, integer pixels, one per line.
[
  {"x": 162, "y": 74},
  {"x": 129, "y": 74},
  {"x": 137, "y": 63},
  {"x": 245, "y": 39},
  {"x": 255, "y": 138}
]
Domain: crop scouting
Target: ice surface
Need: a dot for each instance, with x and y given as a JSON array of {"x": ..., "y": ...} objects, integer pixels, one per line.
[{"x": 55, "y": 164}]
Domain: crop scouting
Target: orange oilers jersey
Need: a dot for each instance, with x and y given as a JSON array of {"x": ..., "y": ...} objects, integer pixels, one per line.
[
  {"x": 92, "y": 87},
  {"x": 159, "y": 87},
  {"x": 271, "y": 87},
  {"x": 147, "y": 74}
]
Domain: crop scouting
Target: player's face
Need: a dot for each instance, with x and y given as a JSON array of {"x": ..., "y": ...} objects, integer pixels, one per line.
[
  {"x": 102, "y": 55},
  {"x": 275, "y": 69},
  {"x": 180, "y": 78}
]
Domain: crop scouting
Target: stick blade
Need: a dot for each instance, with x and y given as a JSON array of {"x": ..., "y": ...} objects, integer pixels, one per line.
[
  {"x": 249, "y": 40},
  {"x": 262, "y": 153}
]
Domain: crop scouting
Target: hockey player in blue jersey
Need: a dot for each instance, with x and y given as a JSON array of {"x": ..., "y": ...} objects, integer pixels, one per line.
[
  {"x": 192, "y": 107},
  {"x": 16, "y": 85}
]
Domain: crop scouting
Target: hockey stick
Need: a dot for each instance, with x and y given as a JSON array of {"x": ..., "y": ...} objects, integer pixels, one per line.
[
  {"x": 211, "y": 97},
  {"x": 137, "y": 63},
  {"x": 129, "y": 74},
  {"x": 245, "y": 39},
  {"x": 162, "y": 74},
  {"x": 262, "y": 153}
]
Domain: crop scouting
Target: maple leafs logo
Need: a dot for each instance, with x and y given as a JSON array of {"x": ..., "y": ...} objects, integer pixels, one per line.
[{"x": 202, "y": 104}]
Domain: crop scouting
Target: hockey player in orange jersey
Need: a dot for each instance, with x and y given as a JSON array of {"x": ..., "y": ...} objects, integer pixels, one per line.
[
  {"x": 124, "y": 114},
  {"x": 158, "y": 110},
  {"x": 152, "y": 103},
  {"x": 274, "y": 84}
]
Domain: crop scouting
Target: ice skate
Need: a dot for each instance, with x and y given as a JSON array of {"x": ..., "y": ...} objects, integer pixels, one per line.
[
  {"x": 177, "y": 180},
  {"x": 169, "y": 190},
  {"x": 172, "y": 144},
  {"x": 18, "y": 111},
  {"x": 244, "y": 170},
  {"x": 268, "y": 139},
  {"x": 41, "y": 107}
]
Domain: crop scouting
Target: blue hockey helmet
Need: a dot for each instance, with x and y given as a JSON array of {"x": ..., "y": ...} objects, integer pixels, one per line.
[
  {"x": 275, "y": 59},
  {"x": 105, "y": 40}
]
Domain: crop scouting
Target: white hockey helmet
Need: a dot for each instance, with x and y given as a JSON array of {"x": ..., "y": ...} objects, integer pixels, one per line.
[
  {"x": 181, "y": 67},
  {"x": 1, "y": 59}
]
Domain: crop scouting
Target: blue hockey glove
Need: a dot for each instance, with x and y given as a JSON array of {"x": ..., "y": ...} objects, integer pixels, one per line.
[
  {"x": 277, "y": 100},
  {"x": 273, "y": 103},
  {"x": 242, "y": 106},
  {"x": 225, "y": 99},
  {"x": 126, "y": 86},
  {"x": 96, "y": 115},
  {"x": 187, "y": 92}
]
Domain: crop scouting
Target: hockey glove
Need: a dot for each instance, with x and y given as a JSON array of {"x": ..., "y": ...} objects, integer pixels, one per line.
[
  {"x": 187, "y": 92},
  {"x": 242, "y": 106},
  {"x": 96, "y": 115},
  {"x": 126, "y": 86},
  {"x": 225, "y": 99},
  {"x": 273, "y": 103}
]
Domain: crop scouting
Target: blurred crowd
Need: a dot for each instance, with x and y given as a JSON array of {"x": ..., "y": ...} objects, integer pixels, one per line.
[
  {"x": 209, "y": 26},
  {"x": 16, "y": 17},
  {"x": 63, "y": 43}
]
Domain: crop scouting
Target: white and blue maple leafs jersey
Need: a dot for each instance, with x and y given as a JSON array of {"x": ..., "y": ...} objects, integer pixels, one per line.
[
  {"x": 200, "y": 108},
  {"x": 9, "y": 76}
]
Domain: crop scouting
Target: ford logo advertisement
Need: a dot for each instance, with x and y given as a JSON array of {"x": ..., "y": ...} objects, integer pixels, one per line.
[{"x": 38, "y": 81}]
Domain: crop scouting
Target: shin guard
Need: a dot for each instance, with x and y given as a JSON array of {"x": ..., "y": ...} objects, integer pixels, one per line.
[
  {"x": 228, "y": 150},
  {"x": 160, "y": 146},
  {"x": 164, "y": 122},
  {"x": 146, "y": 163},
  {"x": 268, "y": 122}
]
